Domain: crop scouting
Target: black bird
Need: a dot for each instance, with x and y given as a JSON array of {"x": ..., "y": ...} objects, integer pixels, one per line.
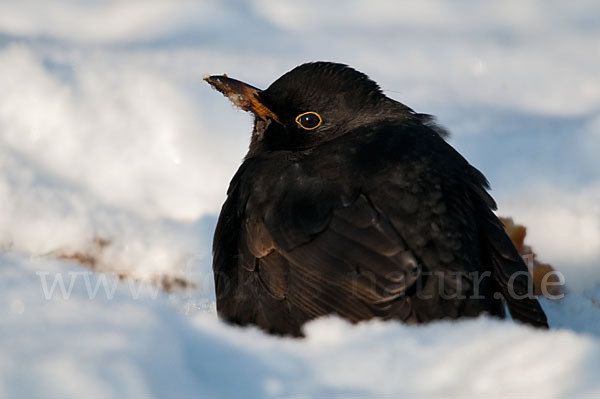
[{"x": 350, "y": 203}]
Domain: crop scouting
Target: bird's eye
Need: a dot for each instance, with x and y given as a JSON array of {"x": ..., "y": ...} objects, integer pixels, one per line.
[{"x": 309, "y": 120}]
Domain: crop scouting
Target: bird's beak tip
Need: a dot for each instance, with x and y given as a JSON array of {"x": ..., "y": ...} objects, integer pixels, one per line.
[
  {"x": 240, "y": 94},
  {"x": 215, "y": 80}
]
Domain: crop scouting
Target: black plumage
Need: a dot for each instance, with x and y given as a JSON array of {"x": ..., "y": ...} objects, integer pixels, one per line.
[{"x": 350, "y": 203}]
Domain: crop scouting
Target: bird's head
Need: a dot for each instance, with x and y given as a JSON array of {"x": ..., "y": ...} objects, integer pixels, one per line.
[{"x": 312, "y": 103}]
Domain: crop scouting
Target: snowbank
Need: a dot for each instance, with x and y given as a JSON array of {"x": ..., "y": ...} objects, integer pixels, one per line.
[{"x": 103, "y": 338}]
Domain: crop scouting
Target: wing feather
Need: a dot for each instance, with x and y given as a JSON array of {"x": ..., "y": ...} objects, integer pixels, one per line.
[{"x": 356, "y": 266}]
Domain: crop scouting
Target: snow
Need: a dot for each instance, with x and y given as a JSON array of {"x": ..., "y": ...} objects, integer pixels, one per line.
[
  {"x": 103, "y": 338},
  {"x": 113, "y": 147}
]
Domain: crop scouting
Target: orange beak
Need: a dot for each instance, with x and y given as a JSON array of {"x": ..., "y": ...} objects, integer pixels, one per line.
[{"x": 242, "y": 95}]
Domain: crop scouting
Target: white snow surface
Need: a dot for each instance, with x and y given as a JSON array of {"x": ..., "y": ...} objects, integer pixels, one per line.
[
  {"x": 98, "y": 337},
  {"x": 109, "y": 135}
]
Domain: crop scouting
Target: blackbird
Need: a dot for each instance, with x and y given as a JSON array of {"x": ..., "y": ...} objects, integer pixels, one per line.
[{"x": 350, "y": 203}]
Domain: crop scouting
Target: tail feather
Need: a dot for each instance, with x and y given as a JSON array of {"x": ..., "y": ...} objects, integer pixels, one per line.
[{"x": 510, "y": 273}]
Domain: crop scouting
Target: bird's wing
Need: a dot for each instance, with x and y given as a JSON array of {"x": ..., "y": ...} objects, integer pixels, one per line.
[{"x": 356, "y": 266}]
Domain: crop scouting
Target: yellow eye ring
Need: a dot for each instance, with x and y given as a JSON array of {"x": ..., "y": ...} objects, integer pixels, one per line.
[{"x": 309, "y": 120}]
